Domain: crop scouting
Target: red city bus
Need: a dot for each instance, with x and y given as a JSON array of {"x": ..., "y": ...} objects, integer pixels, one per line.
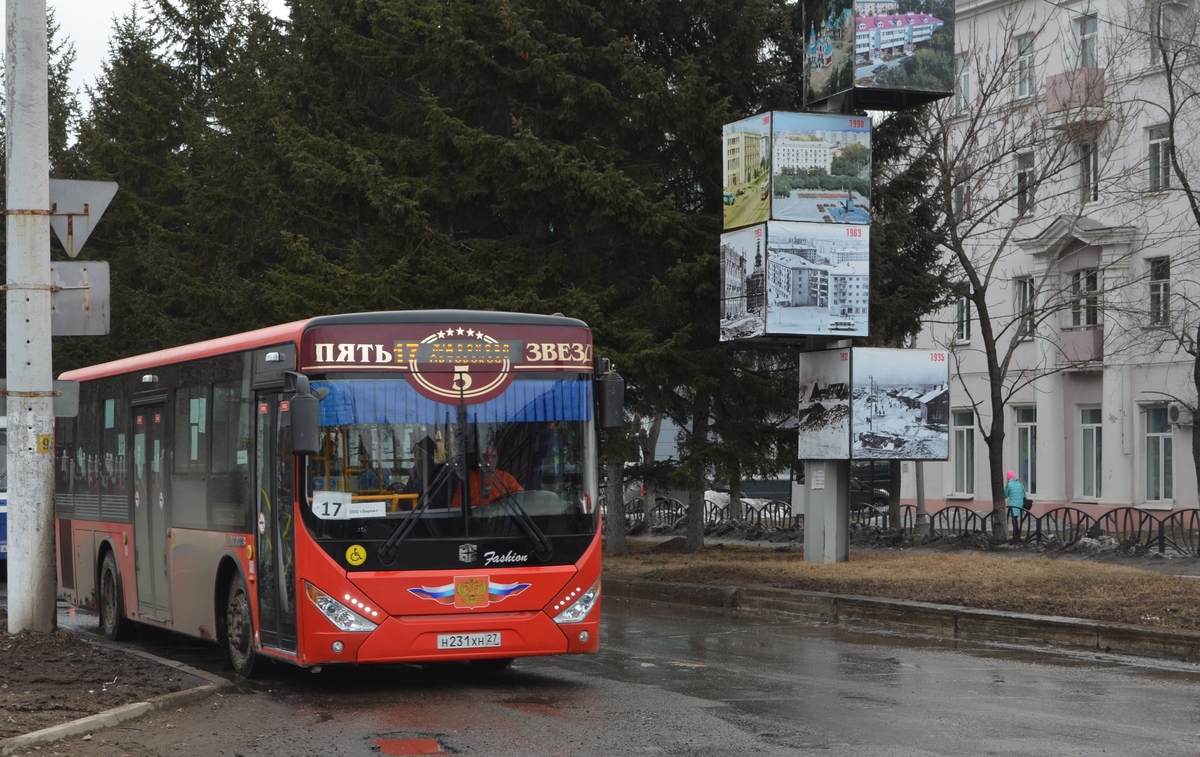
[{"x": 297, "y": 493}]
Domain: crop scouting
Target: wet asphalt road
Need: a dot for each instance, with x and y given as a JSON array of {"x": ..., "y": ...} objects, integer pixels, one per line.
[{"x": 672, "y": 681}]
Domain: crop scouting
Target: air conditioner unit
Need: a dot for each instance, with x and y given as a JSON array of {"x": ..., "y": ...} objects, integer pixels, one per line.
[{"x": 1179, "y": 414}]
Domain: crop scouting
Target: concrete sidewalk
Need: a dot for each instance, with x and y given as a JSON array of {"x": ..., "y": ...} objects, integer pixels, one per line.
[{"x": 950, "y": 622}]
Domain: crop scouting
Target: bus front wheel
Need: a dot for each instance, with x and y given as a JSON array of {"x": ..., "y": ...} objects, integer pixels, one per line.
[
  {"x": 112, "y": 613},
  {"x": 239, "y": 631}
]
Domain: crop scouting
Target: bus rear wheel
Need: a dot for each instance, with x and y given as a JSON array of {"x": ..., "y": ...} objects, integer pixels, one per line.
[
  {"x": 112, "y": 612},
  {"x": 239, "y": 632}
]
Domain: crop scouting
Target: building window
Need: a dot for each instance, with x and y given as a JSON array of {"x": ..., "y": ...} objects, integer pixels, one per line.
[
  {"x": 964, "y": 452},
  {"x": 1159, "y": 139},
  {"x": 1025, "y": 70},
  {"x": 1024, "y": 306},
  {"x": 1086, "y": 32},
  {"x": 961, "y": 194},
  {"x": 1089, "y": 172},
  {"x": 1091, "y": 445},
  {"x": 962, "y": 319},
  {"x": 1161, "y": 16},
  {"x": 1160, "y": 291},
  {"x": 1024, "y": 183},
  {"x": 1085, "y": 303},
  {"x": 1027, "y": 447},
  {"x": 1159, "y": 470},
  {"x": 962, "y": 83}
]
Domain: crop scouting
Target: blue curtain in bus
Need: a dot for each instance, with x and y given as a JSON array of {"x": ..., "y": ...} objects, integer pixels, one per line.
[{"x": 382, "y": 401}]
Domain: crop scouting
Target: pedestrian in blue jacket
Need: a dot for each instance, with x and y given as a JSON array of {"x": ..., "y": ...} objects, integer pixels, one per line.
[{"x": 1014, "y": 491}]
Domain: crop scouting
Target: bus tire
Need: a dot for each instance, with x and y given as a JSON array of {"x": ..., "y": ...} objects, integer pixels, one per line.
[
  {"x": 239, "y": 631},
  {"x": 113, "y": 623}
]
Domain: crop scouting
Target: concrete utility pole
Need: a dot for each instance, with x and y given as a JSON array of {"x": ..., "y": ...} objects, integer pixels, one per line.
[{"x": 31, "y": 574}]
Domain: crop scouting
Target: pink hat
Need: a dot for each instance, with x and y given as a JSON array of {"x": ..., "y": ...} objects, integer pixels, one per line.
[{"x": 1011, "y": 474}]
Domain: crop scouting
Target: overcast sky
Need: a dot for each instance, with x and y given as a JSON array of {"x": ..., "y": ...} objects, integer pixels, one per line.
[{"x": 88, "y": 23}]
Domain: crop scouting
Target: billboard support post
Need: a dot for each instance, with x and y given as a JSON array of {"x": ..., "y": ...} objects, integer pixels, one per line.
[
  {"x": 826, "y": 511},
  {"x": 922, "y": 526}
]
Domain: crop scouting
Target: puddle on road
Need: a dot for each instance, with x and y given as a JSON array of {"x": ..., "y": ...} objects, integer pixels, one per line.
[{"x": 409, "y": 746}]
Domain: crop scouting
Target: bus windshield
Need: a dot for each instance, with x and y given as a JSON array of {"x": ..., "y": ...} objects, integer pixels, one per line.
[{"x": 398, "y": 467}]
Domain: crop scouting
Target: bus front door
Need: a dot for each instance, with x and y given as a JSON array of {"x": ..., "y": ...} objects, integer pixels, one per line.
[
  {"x": 275, "y": 525},
  {"x": 149, "y": 514}
]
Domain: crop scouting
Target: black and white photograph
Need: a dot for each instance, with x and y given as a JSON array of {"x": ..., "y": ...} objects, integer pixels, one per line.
[
  {"x": 823, "y": 416},
  {"x": 746, "y": 171},
  {"x": 901, "y": 404},
  {"x": 818, "y": 279},
  {"x": 743, "y": 288},
  {"x": 821, "y": 168}
]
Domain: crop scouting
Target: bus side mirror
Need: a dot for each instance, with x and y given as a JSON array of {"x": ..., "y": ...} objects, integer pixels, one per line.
[
  {"x": 306, "y": 418},
  {"x": 610, "y": 392}
]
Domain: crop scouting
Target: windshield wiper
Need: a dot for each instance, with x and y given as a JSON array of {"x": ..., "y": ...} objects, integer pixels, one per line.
[
  {"x": 542, "y": 548},
  {"x": 388, "y": 548}
]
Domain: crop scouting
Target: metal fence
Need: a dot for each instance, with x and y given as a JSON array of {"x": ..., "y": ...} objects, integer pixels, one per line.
[{"x": 1176, "y": 532}]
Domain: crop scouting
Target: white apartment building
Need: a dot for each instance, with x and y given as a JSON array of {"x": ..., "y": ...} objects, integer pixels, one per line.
[
  {"x": 744, "y": 155},
  {"x": 1085, "y": 253}
]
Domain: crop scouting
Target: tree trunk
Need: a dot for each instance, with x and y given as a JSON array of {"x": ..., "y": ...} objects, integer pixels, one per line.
[
  {"x": 1195, "y": 422},
  {"x": 736, "y": 494},
  {"x": 995, "y": 443},
  {"x": 615, "y": 543},
  {"x": 694, "y": 541},
  {"x": 648, "y": 441}
]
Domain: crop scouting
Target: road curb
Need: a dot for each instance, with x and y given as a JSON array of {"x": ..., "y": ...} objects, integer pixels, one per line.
[
  {"x": 124, "y": 713},
  {"x": 941, "y": 621}
]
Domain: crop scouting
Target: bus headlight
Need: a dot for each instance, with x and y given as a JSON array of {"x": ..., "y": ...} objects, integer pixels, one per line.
[
  {"x": 339, "y": 615},
  {"x": 579, "y": 609}
]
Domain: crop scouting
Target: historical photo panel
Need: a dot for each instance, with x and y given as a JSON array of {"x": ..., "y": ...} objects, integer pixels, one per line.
[
  {"x": 818, "y": 279},
  {"x": 821, "y": 168},
  {"x": 904, "y": 45},
  {"x": 743, "y": 304},
  {"x": 823, "y": 417},
  {"x": 901, "y": 404},
  {"x": 747, "y": 171}
]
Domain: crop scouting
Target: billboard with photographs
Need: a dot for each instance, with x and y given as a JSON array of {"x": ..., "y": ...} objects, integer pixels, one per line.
[
  {"x": 810, "y": 167},
  {"x": 785, "y": 279},
  {"x": 900, "y": 404},
  {"x": 823, "y": 417},
  {"x": 743, "y": 283},
  {"x": 746, "y": 171},
  {"x": 821, "y": 168},
  {"x": 878, "y": 54},
  {"x": 818, "y": 279}
]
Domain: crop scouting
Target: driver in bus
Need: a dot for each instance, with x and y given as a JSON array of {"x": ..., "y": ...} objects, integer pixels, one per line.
[{"x": 488, "y": 484}]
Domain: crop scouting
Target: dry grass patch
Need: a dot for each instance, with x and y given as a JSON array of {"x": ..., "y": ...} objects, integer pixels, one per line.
[{"x": 1039, "y": 585}]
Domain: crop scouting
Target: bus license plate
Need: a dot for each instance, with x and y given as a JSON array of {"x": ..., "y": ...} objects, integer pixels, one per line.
[{"x": 468, "y": 640}]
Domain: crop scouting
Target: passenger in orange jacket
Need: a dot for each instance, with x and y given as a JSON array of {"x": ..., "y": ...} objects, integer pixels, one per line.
[{"x": 488, "y": 484}]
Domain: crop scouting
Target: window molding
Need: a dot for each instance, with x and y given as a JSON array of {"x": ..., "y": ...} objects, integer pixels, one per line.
[
  {"x": 1158, "y": 272},
  {"x": 1025, "y": 306},
  {"x": 963, "y": 442},
  {"x": 1025, "y": 196},
  {"x": 1089, "y": 172},
  {"x": 1026, "y": 68},
  {"x": 1085, "y": 297},
  {"x": 962, "y": 84},
  {"x": 1087, "y": 40},
  {"x": 1159, "y": 455},
  {"x": 1158, "y": 158},
  {"x": 962, "y": 319}
]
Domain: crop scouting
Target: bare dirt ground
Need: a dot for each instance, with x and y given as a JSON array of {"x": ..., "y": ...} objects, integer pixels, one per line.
[{"x": 49, "y": 679}]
